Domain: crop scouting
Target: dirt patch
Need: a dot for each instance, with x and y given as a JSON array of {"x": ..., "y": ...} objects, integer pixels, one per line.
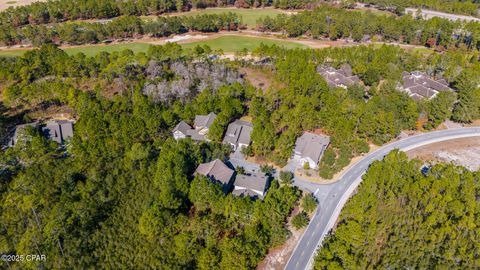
[
  {"x": 260, "y": 77},
  {"x": 277, "y": 258},
  {"x": 4, "y": 4},
  {"x": 464, "y": 152},
  {"x": 62, "y": 112}
]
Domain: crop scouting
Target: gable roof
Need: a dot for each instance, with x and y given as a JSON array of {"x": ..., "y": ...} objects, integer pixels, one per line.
[
  {"x": 182, "y": 127},
  {"x": 238, "y": 132},
  {"x": 312, "y": 145},
  {"x": 204, "y": 121},
  {"x": 419, "y": 85},
  {"x": 58, "y": 130},
  {"x": 253, "y": 181},
  {"x": 338, "y": 77},
  {"x": 216, "y": 170}
]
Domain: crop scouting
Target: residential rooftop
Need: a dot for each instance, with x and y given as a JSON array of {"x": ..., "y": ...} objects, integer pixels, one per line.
[{"x": 342, "y": 77}]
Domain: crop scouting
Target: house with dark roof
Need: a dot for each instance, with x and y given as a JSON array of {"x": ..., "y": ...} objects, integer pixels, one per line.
[
  {"x": 58, "y": 130},
  {"x": 309, "y": 148},
  {"x": 19, "y": 133},
  {"x": 217, "y": 172},
  {"x": 253, "y": 185},
  {"x": 342, "y": 77},
  {"x": 202, "y": 124},
  {"x": 55, "y": 130},
  {"x": 238, "y": 134},
  {"x": 419, "y": 85}
]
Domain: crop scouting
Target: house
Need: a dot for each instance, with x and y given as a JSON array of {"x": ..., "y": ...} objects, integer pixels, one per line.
[
  {"x": 19, "y": 133},
  {"x": 202, "y": 124},
  {"x": 238, "y": 134},
  {"x": 217, "y": 172},
  {"x": 181, "y": 130},
  {"x": 253, "y": 185},
  {"x": 55, "y": 130},
  {"x": 309, "y": 148},
  {"x": 419, "y": 85},
  {"x": 58, "y": 130},
  {"x": 342, "y": 77}
]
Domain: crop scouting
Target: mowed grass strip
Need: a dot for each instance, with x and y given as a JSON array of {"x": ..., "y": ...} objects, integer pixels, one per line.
[
  {"x": 249, "y": 16},
  {"x": 226, "y": 43},
  {"x": 238, "y": 43}
]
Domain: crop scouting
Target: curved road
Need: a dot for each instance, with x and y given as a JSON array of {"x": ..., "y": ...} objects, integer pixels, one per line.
[{"x": 328, "y": 212}]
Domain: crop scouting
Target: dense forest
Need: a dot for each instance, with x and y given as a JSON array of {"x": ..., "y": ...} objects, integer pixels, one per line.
[
  {"x": 118, "y": 28},
  {"x": 401, "y": 218},
  {"x": 335, "y": 23},
  {"x": 121, "y": 193},
  {"x": 65, "y": 10}
]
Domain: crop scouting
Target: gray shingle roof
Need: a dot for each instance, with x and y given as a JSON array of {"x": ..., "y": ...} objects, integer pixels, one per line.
[
  {"x": 338, "y": 77},
  {"x": 204, "y": 121},
  {"x": 216, "y": 170},
  {"x": 182, "y": 127},
  {"x": 312, "y": 145},
  {"x": 238, "y": 132},
  {"x": 419, "y": 85},
  {"x": 253, "y": 181},
  {"x": 58, "y": 130}
]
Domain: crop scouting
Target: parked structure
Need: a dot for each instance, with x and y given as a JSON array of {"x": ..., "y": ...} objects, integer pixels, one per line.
[
  {"x": 418, "y": 85},
  {"x": 55, "y": 130},
  {"x": 309, "y": 148},
  {"x": 342, "y": 77},
  {"x": 253, "y": 185},
  {"x": 202, "y": 124},
  {"x": 217, "y": 172},
  {"x": 238, "y": 134}
]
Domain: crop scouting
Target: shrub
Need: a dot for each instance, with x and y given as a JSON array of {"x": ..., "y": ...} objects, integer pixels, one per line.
[{"x": 300, "y": 221}]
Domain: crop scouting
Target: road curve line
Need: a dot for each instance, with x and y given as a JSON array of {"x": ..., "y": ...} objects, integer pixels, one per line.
[{"x": 350, "y": 176}]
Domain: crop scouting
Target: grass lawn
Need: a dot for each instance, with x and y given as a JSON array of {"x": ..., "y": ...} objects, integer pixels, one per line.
[
  {"x": 226, "y": 43},
  {"x": 238, "y": 43},
  {"x": 249, "y": 16}
]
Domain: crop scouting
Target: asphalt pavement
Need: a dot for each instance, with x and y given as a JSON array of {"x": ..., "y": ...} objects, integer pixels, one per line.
[{"x": 330, "y": 206}]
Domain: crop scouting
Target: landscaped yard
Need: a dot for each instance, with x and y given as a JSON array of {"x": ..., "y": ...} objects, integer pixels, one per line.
[
  {"x": 226, "y": 43},
  {"x": 249, "y": 16}
]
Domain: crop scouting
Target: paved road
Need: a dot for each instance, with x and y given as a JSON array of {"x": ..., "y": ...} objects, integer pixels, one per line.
[
  {"x": 320, "y": 191},
  {"x": 328, "y": 211},
  {"x": 428, "y": 14}
]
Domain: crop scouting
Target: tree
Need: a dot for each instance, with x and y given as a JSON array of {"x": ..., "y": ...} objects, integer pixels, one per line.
[
  {"x": 267, "y": 169},
  {"x": 286, "y": 177},
  {"x": 309, "y": 203},
  {"x": 439, "y": 109},
  {"x": 467, "y": 108},
  {"x": 240, "y": 170},
  {"x": 300, "y": 220}
]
